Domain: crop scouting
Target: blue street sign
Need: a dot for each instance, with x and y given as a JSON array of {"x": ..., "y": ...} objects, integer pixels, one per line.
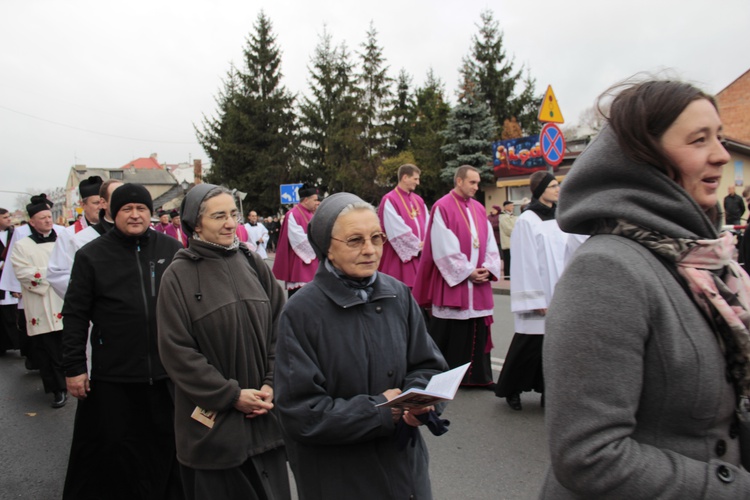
[
  {"x": 289, "y": 193},
  {"x": 552, "y": 142}
]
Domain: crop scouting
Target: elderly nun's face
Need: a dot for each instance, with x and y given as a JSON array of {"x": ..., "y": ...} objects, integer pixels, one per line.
[
  {"x": 219, "y": 221},
  {"x": 352, "y": 249}
]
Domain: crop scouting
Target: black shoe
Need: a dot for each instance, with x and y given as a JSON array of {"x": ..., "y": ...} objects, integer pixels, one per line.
[
  {"x": 60, "y": 398},
  {"x": 29, "y": 364},
  {"x": 514, "y": 402}
]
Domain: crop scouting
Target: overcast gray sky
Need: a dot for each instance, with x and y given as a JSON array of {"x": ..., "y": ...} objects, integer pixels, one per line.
[{"x": 102, "y": 83}]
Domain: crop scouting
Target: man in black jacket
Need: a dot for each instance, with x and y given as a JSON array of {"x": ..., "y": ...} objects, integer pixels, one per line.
[
  {"x": 734, "y": 207},
  {"x": 123, "y": 439}
]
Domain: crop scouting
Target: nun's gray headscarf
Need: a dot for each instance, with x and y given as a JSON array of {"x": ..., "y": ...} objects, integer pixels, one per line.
[
  {"x": 191, "y": 207},
  {"x": 321, "y": 225}
]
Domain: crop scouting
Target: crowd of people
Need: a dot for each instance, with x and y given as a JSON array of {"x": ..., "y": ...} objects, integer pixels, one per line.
[{"x": 201, "y": 370}]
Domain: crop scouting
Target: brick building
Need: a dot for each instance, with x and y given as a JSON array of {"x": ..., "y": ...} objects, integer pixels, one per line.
[{"x": 734, "y": 105}]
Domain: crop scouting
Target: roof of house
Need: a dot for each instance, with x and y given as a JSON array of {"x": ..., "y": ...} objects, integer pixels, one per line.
[
  {"x": 175, "y": 193},
  {"x": 149, "y": 176},
  {"x": 733, "y": 82},
  {"x": 144, "y": 163}
]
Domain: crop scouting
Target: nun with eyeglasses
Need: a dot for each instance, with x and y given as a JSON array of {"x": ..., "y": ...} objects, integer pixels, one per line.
[
  {"x": 351, "y": 339},
  {"x": 217, "y": 317}
]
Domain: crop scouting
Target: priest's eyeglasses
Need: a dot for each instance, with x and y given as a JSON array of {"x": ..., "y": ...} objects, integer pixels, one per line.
[{"x": 377, "y": 240}]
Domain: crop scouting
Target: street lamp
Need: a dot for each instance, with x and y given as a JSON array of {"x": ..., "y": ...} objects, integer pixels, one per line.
[{"x": 240, "y": 196}]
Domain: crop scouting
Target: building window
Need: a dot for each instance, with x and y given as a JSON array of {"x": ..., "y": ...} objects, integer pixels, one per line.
[{"x": 116, "y": 174}]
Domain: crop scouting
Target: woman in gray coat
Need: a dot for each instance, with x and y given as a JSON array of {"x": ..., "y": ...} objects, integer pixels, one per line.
[
  {"x": 647, "y": 343},
  {"x": 349, "y": 340}
]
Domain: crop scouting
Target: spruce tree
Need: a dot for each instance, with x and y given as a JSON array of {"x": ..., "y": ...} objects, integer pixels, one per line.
[
  {"x": 346, "y": 151},
  {"x": 220, "y": 132},
  {"x": 375, "y": 97},
  {"x": 430, "y": 114},
  {"x": 253, "y": 142},
  {"x": 330, "y": 83},
  {"x": 489, "y": 65},
  {"x": 469, "y": 132},
  {"x": 401, "y": 115}
]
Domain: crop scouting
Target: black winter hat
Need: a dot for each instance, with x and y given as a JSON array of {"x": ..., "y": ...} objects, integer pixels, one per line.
[{"x": 130, "y": 193}]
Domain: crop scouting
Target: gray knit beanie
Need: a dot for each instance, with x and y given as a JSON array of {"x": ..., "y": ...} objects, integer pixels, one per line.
[
  {"x": 321, "y": 225},
  {"x": 191, "y": 206}
]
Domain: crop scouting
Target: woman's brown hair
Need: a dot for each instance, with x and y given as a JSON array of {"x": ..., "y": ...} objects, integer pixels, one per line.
[{"x": 640, "y": 114}]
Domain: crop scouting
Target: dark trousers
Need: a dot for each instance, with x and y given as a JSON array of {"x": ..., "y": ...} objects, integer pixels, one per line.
[
  {"x": 25, "y": 342},
  {"x": 124, "y": 444},
  {"x": 463, "y": 341},
  {"x": 47, "y": 355},
  {"x": 9, "y": 334},
  {"x": 506, "y": 263},
  {"x": 522, "y": 370}
]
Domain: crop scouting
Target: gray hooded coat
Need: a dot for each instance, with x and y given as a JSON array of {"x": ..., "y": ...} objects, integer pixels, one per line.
[{"x": 638, "y": 401}]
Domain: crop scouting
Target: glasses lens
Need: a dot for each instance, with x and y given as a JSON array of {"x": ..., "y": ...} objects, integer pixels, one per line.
[
  {"x": 355, "y": 242},
  {"x": 378, "y": 239}
]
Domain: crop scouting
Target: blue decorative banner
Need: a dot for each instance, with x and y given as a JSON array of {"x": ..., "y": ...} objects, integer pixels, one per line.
[{"x": 520, "y": 156}]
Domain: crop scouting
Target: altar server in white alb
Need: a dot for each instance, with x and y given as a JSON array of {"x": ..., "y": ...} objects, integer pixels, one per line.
[
  {"x": 257, "y": 234},
  {"x": 61, "y": 259},
  {"x": 43, "y": 307},
  {"x": 538, "y": 247},
  {"x": 9, "y": 284},
  {"x": 68, "y": 243}
]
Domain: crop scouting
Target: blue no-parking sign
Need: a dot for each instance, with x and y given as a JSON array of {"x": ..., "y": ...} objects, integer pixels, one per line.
[
  {"x": 552, "y": 141},
  {"x": 289, "y": 193}
]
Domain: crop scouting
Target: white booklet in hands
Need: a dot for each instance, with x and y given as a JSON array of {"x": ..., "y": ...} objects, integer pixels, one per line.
[{"x": 442, "y": 387}]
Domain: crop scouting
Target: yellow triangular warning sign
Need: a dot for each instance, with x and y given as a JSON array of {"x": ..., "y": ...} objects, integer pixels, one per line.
[{"x": 550, "y": 110}]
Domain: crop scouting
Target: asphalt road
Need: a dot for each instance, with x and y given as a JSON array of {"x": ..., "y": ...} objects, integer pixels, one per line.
[{"x": 490, "y": 453}]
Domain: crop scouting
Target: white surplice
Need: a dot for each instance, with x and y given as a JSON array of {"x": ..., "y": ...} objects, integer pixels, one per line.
[
  {"x": 258, "y": 234},
  {"x": 455, "y": 267},
  {"x": 404, "y": 241},
  {"x": 538, "y": 248},
  {"x": 43, "y": 306},
  {"x": 61, "y": 261}
]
